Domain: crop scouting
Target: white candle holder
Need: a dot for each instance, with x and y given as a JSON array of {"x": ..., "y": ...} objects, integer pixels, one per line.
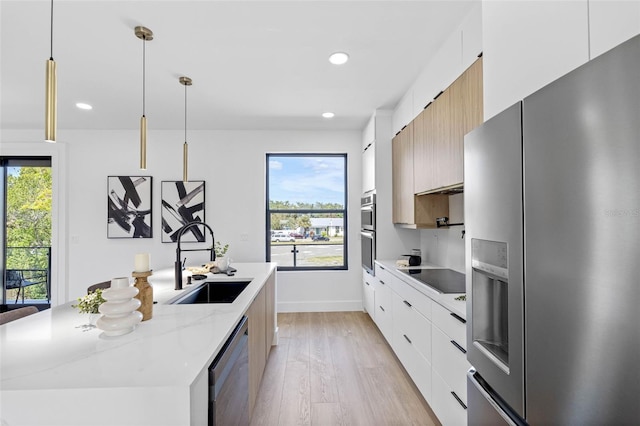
[{"x": 119, "y": 314}]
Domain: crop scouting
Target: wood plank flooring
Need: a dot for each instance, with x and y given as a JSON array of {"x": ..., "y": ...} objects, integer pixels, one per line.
[{"x": 335, "y": 368}]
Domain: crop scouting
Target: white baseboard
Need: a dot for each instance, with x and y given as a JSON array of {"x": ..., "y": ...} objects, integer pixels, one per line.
[{"x": 321, "y": 306}]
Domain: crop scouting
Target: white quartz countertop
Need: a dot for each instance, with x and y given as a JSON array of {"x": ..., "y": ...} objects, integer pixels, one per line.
[
  {"x": 51, "y": 350},
  {"x": 447, "y": 300}
]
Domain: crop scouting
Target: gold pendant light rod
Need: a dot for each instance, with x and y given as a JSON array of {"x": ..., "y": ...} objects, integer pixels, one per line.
[
  {"x": 51, "y": 93},
  {"x": 185, "y": 81},
  {"x": 144, "y": 34}
]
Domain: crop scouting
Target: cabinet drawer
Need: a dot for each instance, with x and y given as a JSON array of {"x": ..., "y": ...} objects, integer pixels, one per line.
[
  {"x": 453, "y": 325},
  {"x": 409, "y": 326},
  {"x": 383, "y": 275},
  {"x": 449, "y": 362},
  {"x": 449, "y": 410},
  {"x": 384, "y": 311},
  {"x": 419, "y": 301},
  {"x": 417, "y": 366}
]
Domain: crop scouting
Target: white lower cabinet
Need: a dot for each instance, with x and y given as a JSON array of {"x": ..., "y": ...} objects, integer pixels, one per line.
[
  {"x": 412, "y": 343},
  {"x": 428, "y": 339},
  {"x": 384, "y": 310},
  {"x": 450, "y": 362},
  {"x": 368, "y": 294},
  {"x": 444, "y": 403}
]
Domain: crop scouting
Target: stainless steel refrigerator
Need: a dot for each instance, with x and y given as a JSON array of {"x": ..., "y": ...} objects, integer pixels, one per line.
[{"x": 552, "y": 217}]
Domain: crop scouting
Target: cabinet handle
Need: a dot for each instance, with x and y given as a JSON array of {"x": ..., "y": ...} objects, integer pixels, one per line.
[
  {"x": 382, "y": 309},
  {"x": 454, "y": 343},
  {"x": 408, "y": 340},
  {"x": 367, "y": 283},
  {"x": 381, "y": 267},
  {"x": 459, "y": 318},
  {"x": 381, "y": 282},
  {"x": 458, "y": 399},
  {"x": 407, "y": 303}
]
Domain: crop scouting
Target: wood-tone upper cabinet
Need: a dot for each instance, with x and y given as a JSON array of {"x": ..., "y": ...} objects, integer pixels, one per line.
[
  {"x": 439, "y": 144},
  {"x": 402, "y": 184}
]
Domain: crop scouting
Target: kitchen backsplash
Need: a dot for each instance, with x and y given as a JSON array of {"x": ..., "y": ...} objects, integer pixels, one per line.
[{"x": 445, "y": 247}]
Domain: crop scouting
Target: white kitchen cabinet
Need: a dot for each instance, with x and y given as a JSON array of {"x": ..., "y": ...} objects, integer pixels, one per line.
[
  {"x": 449, "y": 366},
  {"x": 428, "y": 339},
  {"x": 451, "y": 324},
  {"x": 449, "y": 360},
  {"x": 368, "y": 294},
  {"x": 384, "y": 310},
  {"x": 445, "y": 403},
  {"x": 410, "y": 326},
  {"x": 611, "y": 23},
  {"x": 528, "y": 44},
  {"x": 369, "y": 167},
  {"x": 412, "y": 344}
]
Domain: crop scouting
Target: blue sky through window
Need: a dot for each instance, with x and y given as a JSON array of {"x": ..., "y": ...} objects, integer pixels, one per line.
[{"x": 307, "y": 179}]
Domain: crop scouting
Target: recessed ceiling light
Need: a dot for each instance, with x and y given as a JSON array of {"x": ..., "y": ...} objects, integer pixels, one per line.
[
  {"x": 338, "y": 58},
  {"x": 328, "y": 114},
  {"x": 82, "y": 105}
]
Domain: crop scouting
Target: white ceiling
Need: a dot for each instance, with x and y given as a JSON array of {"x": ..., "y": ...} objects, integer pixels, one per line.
[{"x": 254, "y": 64}]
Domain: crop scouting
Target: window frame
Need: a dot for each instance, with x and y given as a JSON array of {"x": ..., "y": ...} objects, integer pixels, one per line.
[{"x": 344, "y": 211}]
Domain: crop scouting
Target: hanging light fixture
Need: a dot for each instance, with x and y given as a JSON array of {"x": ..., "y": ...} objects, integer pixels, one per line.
[
  {"x": 144, "y": 34},
  {"x": 185, "y": 81},
  {"x": 51, "y": 97}
]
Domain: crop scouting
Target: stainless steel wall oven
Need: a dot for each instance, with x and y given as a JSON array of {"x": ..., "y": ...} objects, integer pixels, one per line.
[{"x": 368, "y": 230}]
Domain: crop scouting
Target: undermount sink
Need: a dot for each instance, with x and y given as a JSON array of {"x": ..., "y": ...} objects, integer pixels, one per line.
[{"x": 213, "y": 292}]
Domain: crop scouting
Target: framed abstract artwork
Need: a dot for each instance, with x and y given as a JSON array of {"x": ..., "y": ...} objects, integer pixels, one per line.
[
  {"x": 182, "y": 203},
  {"x": 129, "y": 207}
]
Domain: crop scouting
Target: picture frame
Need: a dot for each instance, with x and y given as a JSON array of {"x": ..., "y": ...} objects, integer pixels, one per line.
[
  {"x": 129, "y": 207},
  {"x": 182, "y": 203}
]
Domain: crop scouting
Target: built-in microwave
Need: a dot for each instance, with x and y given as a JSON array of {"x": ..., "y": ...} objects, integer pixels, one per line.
[{"x": 368, "y": 212}]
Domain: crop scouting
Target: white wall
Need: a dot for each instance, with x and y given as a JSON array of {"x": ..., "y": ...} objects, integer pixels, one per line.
[{"x": 233, "y": 165}]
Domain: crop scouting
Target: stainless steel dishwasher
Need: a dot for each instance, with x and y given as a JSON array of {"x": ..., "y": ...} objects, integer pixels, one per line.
[{"x": 229, "y": 380}]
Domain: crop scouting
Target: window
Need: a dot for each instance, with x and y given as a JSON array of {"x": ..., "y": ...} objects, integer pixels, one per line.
[
  {"x": 25, "y": 250},
  {"x": 306, "y": 211}
]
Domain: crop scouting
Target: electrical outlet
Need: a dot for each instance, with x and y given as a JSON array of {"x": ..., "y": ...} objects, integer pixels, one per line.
[
  {"x": 75, "y": 239},
  {"x": 244, "y": 237}
]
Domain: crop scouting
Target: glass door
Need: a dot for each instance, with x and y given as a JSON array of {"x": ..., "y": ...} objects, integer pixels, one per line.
[{"x": 25, "y": 201}]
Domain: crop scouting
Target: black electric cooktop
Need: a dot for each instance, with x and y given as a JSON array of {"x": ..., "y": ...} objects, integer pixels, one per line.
[{"x": 441, "y": 280}]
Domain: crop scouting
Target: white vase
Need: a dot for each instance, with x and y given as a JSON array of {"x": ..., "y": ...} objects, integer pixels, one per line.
[
  {"x": 119, "y": 314},
  {"x": 222, "y": 263}
]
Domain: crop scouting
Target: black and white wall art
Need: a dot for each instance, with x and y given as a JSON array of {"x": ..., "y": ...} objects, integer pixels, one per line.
[
  {"x": 129, "y": 207},
  {"x": 182, "y": 203}
]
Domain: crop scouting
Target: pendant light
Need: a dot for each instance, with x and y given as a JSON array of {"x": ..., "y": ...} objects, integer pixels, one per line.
[
  {"x": 51, "y": 96},
  {"x": 185, "y": 81},
  {"x": 144, "y": 34}
]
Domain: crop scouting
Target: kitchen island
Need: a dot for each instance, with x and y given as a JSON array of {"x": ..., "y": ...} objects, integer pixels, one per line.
[{"x": 56, "y": 371}]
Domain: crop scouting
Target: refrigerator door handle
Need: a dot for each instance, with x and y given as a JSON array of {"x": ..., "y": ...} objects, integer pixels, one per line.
[{"x": 488, "y": 395}]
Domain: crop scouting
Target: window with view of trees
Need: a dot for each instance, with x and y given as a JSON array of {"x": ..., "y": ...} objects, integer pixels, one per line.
[
  {"x": 306, "y": 211},
  {"x": 26, "y": 250}
]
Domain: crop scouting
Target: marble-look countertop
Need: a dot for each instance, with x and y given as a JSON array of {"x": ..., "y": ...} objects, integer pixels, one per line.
[
  {"x": 55, "y": 371},
  {"x": 446, "y": 300}
]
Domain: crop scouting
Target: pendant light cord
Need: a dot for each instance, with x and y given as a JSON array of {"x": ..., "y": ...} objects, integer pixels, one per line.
[
  {"x": 144, "y": 42},
  {"x": 51, "y": 38},
  {"x": 185, "y": 113}
]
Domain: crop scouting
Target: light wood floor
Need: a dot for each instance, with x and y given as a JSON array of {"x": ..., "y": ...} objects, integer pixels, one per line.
[{"x": 335, "y": 368}]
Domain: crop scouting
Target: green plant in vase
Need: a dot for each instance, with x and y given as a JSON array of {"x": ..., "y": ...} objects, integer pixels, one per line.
[
  {"x": 90, "y": 303},
  {"x": 220, "y": 249}
]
